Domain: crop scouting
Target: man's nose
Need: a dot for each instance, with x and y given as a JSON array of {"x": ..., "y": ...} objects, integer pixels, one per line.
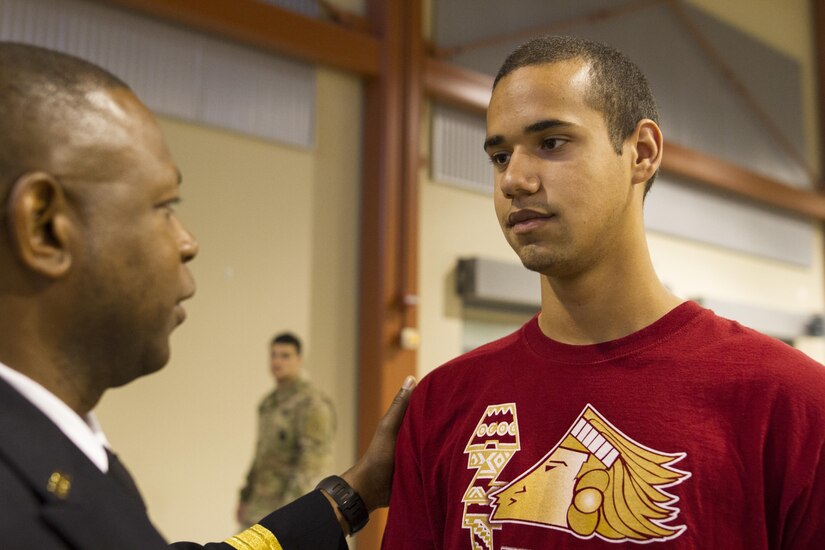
[
  {"x": 188, "y": 245},
  {"x": 521, "y": 176}
]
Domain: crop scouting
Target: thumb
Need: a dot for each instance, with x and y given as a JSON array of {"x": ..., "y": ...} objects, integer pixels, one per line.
[{"x": 395, "y": 413}]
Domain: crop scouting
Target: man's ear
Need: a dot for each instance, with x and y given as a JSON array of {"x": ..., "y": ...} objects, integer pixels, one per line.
[
  {"x": 39, "y": 224},
  {"x": 648, "y": 144}
]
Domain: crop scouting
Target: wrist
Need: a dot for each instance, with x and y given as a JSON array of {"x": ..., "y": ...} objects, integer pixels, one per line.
[
  {"x": 348, "y": 503},
  {"x": 342, "y": 521}
]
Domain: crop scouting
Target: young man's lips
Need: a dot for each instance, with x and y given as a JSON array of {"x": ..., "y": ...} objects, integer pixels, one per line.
[{"x": 526, "y": 220}]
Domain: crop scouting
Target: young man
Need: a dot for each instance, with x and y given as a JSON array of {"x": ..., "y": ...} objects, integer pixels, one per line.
[
  {"x": 296, "y": 425},
  {"x": 93, "y": 274},
  {"x": 620, "y": 413}
]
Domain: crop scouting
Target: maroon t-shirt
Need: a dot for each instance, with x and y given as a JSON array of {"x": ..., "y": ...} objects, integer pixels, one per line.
[{"x": 694, "y": 432}]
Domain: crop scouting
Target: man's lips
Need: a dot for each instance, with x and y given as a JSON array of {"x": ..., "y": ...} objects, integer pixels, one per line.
[
  {"x": 180, "y": 313},
  {"x": 525, "y": 220}
]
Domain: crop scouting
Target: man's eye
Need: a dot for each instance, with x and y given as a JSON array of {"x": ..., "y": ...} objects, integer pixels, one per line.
[
  {"x": 169, "y": 208},
  {"x": 553, "y": 143},
  {"x": 500, "y": 159}
]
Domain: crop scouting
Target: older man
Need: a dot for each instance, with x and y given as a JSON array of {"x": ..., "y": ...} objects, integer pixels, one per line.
[{"x": 92, "y": 284}]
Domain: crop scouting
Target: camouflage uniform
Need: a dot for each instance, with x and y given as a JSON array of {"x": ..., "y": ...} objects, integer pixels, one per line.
[{"x": 296, "y": 423}]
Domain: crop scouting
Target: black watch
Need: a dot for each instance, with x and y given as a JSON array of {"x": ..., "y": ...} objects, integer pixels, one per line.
[{"x": 348, "y": 500}]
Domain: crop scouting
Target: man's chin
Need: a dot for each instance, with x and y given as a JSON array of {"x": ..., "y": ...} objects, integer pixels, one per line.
[
  {"x": 144, "y": 368},
  {"x": 535, "y": 261}
]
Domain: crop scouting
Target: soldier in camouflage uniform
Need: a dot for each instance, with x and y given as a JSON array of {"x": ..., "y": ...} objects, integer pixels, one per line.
[{"x": 296, "y": 424}]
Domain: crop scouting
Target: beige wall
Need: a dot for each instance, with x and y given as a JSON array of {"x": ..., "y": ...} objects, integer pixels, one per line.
[
  {"x": 457, "y": 223},
  {"x": 277, "y": 228}
]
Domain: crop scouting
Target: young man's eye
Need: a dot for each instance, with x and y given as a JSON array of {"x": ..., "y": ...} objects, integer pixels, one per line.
[
  {"x": 553, "y": 143},
  {"x": 500, "y": 159}
]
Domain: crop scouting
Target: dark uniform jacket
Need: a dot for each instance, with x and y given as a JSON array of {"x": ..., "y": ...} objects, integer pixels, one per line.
[{"x": 53, "y": 497}]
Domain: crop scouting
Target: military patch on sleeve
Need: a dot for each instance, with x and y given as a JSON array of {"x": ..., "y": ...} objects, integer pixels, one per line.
[{"x": 596, "y": 482}]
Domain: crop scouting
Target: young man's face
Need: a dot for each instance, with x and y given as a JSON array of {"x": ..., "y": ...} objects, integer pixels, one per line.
[
  {"x": 285, "y": 363},
  {"x": 562, "y": 194}
]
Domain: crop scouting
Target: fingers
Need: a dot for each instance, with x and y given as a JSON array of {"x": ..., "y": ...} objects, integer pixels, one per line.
[
  {"x": 395, "y": 414},
  {"x": 371, "y": 476}
]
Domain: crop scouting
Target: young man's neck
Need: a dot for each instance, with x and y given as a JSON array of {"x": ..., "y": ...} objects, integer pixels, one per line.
[{"x": 603, "y": 306}]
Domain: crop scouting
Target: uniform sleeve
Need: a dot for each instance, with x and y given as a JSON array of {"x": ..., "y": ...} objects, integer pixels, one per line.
[
  {"x": 308, "y": 523},
  {"x": 315, "y": 426},
  {"x": 408, "y": 523}
]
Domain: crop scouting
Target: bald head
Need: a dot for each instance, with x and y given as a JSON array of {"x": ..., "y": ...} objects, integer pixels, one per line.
[{"x": 43, "y": 94}]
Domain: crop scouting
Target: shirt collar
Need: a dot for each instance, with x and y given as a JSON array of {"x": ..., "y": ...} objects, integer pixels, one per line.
[{"x": 85, "y": 433}]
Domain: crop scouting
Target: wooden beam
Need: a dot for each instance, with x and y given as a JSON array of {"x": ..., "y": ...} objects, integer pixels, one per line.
[
  {"x": 383, "y": 364},
  {"x": 270, "y": 27},
  {"x": 414, "y": 55},
  {"x": 729, "y": 177},
  {"x": 818, "y": 12},
  {"x": 470, "y": 90},
  {"x": 457, "y": 86},
  {"x": 818, "y": 22}
]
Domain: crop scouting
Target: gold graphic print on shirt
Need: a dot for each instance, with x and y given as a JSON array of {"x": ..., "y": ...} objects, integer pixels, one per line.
[
  {"x": 491, "y": 446},
  {"x": 595, "y": 482}
]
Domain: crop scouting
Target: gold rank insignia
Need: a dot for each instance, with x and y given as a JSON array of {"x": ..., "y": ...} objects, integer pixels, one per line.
[
  {"x": 59, "y": 485},
  {"x": 256, "y": 537}
]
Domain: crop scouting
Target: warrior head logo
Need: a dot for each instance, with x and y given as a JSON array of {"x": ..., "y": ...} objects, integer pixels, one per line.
[{"x": 596, "y": 482}]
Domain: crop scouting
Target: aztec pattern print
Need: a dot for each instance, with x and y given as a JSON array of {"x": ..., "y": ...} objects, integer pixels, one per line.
[{"x": 596, "y": 482}]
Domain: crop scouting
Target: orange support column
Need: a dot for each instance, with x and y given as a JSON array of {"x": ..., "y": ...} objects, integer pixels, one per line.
[{"x": 389, "y": 214}]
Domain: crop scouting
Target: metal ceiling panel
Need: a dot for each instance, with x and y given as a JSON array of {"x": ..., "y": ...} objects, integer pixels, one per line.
[
  {"x": 176, "y": 71},
  {"x": 698, "y": 107}
]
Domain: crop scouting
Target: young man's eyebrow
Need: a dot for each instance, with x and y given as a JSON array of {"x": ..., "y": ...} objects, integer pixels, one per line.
[
  {"x": 542, "y": 125},
  {"x": 539, "y": 126},
  {"x": 492, "y": 141}
]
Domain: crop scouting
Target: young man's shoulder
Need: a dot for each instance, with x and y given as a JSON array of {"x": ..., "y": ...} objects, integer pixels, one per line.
[
  {"x": 729, "y": 342},
  {"x": 739, "y": 340}
]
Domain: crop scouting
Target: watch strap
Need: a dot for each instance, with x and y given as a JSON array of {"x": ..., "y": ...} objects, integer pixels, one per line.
[{"x": 349, "y": 502}]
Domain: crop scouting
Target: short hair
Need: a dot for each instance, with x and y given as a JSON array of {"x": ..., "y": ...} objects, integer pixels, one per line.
[
  {"x": 287, "y": 338},
  {"x": 618, "y": 88},
  {"x": 39, "y": 87}
]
